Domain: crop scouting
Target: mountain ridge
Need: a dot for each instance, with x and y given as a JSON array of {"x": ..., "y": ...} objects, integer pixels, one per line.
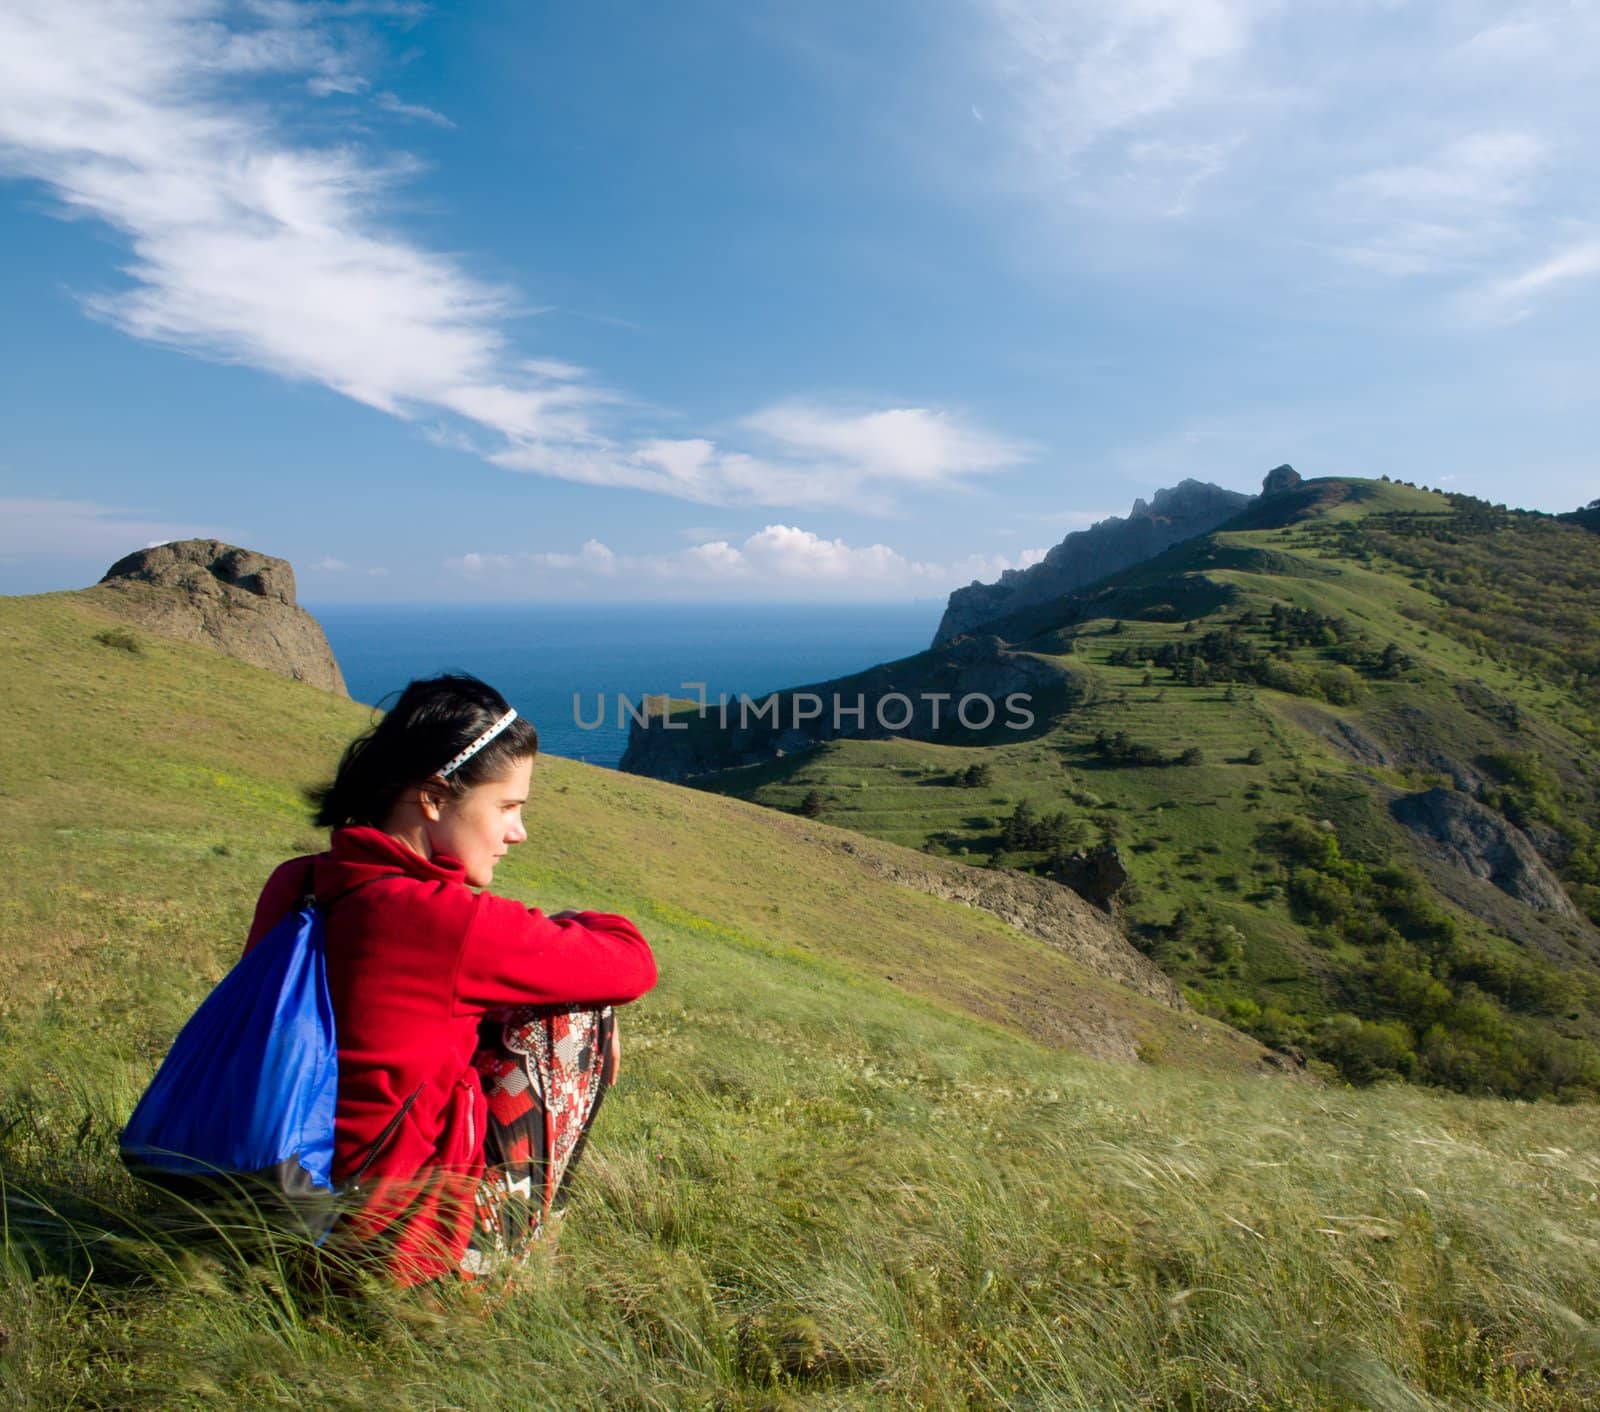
[
  {"x": 1343, "y": 745},
  {"x": 1173, "y": 514}
]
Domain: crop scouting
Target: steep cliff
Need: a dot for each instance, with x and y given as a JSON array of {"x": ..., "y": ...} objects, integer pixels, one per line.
[
  {"x": 235, "y": 600},
  {"x": 1173, "y": 515}
]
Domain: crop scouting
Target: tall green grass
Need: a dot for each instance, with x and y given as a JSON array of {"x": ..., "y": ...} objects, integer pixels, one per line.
[
  {"x": 812, "y": 1186},
  {"x": 833, "y": 1201}
]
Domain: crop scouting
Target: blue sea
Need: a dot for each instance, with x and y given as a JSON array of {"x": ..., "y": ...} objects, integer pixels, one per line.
[{"x": 540, "y": 656}]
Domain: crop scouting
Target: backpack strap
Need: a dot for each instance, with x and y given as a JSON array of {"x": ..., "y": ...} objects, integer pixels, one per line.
[{"x": 309, "y": 898}]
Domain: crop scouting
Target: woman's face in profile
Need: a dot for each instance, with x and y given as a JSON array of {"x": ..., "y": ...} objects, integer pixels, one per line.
[{"x": 483, "y": 823}]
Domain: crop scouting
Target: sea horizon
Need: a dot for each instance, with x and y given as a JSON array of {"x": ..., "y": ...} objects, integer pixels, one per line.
[{"x": 541, "y": 656}]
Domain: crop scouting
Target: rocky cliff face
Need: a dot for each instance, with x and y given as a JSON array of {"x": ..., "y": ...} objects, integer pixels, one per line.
[
  {"x": 221, "y": 596},
  {"x": 1280, "y": 479},
  {"x": 1086, "y": 556},
  {"x": 1458, "y": 830}
]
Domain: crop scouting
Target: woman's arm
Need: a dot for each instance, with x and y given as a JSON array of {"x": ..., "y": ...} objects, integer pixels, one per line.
[{"x": 515, "y": 955}]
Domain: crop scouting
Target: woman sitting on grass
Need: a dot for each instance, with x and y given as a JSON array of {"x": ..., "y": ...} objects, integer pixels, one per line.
[{"x": 475, "y": 1034}]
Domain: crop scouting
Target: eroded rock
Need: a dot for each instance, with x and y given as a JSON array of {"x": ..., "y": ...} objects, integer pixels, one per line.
[
  {"x": 219, "y": 595},
  {"x": 1173, "y": 515},
  {"x": 1457, "y": 829}
]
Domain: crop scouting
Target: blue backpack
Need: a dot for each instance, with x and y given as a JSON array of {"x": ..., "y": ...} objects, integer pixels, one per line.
[{"x": 242, "y": 1107}]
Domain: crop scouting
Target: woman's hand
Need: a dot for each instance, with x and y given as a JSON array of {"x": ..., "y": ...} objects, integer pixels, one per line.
[{"x": 616, "y": 1041}]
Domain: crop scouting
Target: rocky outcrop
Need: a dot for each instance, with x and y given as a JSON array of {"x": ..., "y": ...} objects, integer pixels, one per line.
[
  {"x": 1097, "y": 876},
  {"x": 218, "y": 595},
  {"x": 1457, "y": 829},
  {"x": 1086, "y": 556},
  {"x": 1279, "y": 480}
]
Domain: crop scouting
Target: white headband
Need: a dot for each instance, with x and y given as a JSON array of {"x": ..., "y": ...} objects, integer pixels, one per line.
[{"x": 479, "y": 743}]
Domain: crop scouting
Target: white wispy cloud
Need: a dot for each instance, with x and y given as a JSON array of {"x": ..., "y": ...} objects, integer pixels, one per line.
[
  {"x": 1513, "y": 297},
  {"x": 88, "y": 532},
  {"x": 392, "y": 103},
  {"x": 1381, "y": 142},
  {"x": 1489, "y": 169},
  {"x": 246, "y": 246},
  {"x": 911, "y": 444},
  {"x": 253, "y": 245},
  {"x": 1086, "y": 71},
  {"x": 1451, "y": 209},
  {"x": 800, "y": 454},
  {"x": 776, "y": 561},
  {"x": 1101, "y": 97}
]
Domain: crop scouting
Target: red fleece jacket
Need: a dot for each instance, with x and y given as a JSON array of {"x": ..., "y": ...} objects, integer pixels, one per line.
[{"x": 416, "y": 958}]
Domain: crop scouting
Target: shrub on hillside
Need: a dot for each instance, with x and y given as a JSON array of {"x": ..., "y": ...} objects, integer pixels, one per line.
[
  {"x": 1027, "y": 831},
  {"x": 119, "y": 638},
  {"x": 1421, "y": 976},
  {"x": 1365, "y": 1051}
]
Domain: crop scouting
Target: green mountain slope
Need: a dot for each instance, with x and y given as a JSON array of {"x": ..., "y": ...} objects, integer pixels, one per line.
[
  {"x": 118, "y": 752},
  {"x": 1344, "y": 748},
  {"x": 814, "y": 1186}
]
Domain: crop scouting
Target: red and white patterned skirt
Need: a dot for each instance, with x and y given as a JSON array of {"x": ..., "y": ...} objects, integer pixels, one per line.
[{"x": 544, "y": 1073}]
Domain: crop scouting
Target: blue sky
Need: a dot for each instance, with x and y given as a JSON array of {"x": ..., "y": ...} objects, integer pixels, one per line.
[{"x": 763, "y": 300}]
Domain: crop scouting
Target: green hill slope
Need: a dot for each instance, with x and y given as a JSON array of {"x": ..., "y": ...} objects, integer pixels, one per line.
[
  {"x": 814, "y": 1186},
  {"x": 176, "y": 771},
  {"x": 1344, "y": 747}
]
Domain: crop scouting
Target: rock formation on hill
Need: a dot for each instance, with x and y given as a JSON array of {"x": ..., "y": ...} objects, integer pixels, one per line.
[
  {"x": 1280, "y": 479},
  {"x": 1461, "y": 831},
  {"x": 235, "y": 600},
  {"x": 1173, "y": 515}
]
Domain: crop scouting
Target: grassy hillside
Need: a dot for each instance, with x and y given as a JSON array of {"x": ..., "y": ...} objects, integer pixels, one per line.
[
  {"x": 1249, "y": 705},
  {"x": 814, "y": 1186},
  {"x": 172, "y": 772}
]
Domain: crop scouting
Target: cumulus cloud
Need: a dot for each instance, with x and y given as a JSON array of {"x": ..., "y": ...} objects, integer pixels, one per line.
[
  {"x": 250, "y": 243},
  {"x": 776, "y": 561}
]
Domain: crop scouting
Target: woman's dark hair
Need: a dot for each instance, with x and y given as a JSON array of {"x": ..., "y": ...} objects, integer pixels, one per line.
[{"x": 434, "y": 720}]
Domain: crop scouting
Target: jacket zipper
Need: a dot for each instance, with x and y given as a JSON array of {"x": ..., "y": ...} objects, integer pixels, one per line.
[{"x": 383, "y": 1139}]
